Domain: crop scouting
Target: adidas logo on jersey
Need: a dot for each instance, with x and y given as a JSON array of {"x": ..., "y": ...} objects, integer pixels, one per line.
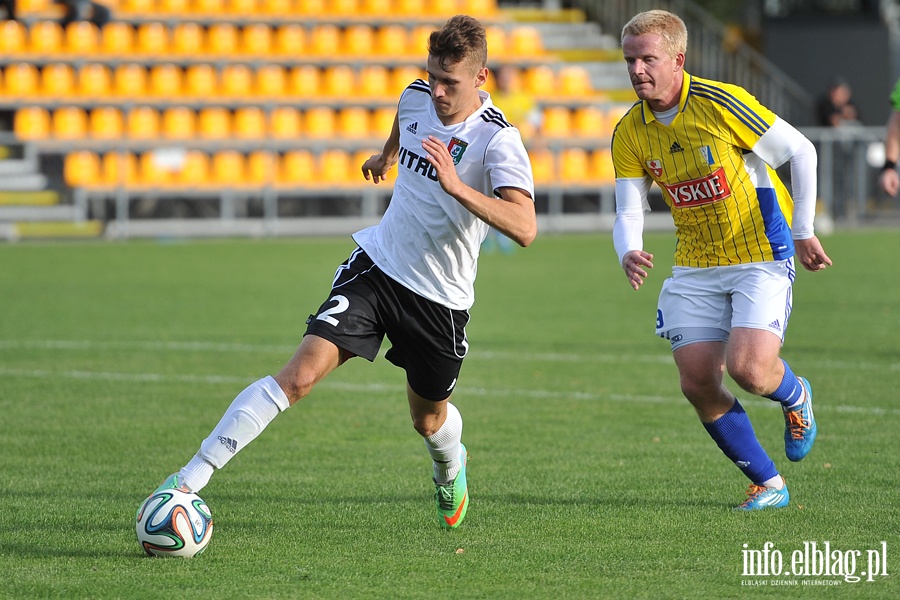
[
  {"x": 412, "y": 127},
  {"x": 229, "y": 443},
  {"x": 675, "y": 147}
]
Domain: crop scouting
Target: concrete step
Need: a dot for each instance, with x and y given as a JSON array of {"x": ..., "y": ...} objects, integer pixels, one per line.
[
  {"x": 23, "y": 182},
  {"x": 36, "y": 214},
  {"x": 51, "y": 230}
]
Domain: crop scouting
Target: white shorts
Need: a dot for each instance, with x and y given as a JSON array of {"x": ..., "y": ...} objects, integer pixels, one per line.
[{"x": 701, "y": 304}]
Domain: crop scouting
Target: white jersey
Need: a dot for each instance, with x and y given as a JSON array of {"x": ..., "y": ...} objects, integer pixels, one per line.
[{"x": 427, "y": 241}]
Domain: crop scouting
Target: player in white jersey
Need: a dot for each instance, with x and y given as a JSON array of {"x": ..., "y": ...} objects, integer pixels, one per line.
[{"x": 462, "y": 170}]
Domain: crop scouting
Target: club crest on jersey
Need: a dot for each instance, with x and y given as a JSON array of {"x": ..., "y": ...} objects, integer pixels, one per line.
[
  {"x": 706, "y": 154},
  {"x": 457, "y": 148},
  {"x": 703, "y": 190},
  {"x": 655, "y": 166}
]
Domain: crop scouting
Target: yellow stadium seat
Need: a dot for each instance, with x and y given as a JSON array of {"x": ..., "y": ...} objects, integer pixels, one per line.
[
  {"x": 201, "y": 81},
  {"x": 410, "y": 8},
  {"x": 539, "y": 81},
  {"x": 376, "y": 8},
  {"x": 339, "y": 81},
  {"x": 178, "y": 123},
  {"x": 477, "y": 8},
  {"x": 32, "y": 123},
  {"x": 165, "y": 81},
  {"x": 152, "y": 39},
  {"x": 574, "y": 166},
  {"x": 358, "y": 40},
  {"x": 69, "y": 123},
  {"x": 441, "y": 8},
  {"x": 297, "y": 168},
  {"x": 12, "y": 38},
  {"x": 575, "y": 81},
  {"x": 343, "y": 8},
  {"x": 236, "y": 81},
  {"x": 138, "y": 8},
  {"x": 227, "y": 168},
  {"x": 310, "y": 8},
  {"x": 81, "y": 168},
  {"x": 382, "y": 121},
  {"x": 402, "y": 76},
  {"x": 244, "y": 8},
  {"x": 589, "y": 121},
  {"x": 353, "y": 122},
  {"x": 82, "y": 38},
  {"x": 256, "y": 40},
  {"x": 391, "y": 41},
  {"x": 119, "y": 169},
  {"x": 214, "y": 123},
  {"x": 276, "y": 8},
  {"x": 290, "y": 40},
  {"x": 418, "y": 40},
  {"x": 94, "y": 81},
  {"x": 174, "y": 7},
  {"x": 142, "y": 123},
  {"x": 117, "y": 39},
  {"x": 284, "y": 123},
  {"x": 195, "y": 169},
  {"x": 208, "y": 7},
  {"x": 45, "y": 38},
  {"x": 557, "y": 122},
  {"x": 188, "y": 39},
  {"x": 130, "y": 81},
  {"x": 31, "y": 6},
  {"x": 320, "y": 122},
  {"x": 261, "y": 168},
  {"x": 57, "y": 80},
  {"x": 334, "y": 166},
  {"x": 222, "y": 39},
  {"x": 106, "y": 123},
  {"x": 524, "y": 41},
  {"x": 22, "y": 80},
  {"x": 249, "y": 123},
  {"x": 497, "y": 41},
  {"x": 152, "y": 172},
  {"x": 325, "y": 40},
  {"x": 270, "y": 81},
  {"x": 305, "y": 81},
  {"x": 602, "y": 166},
  {"x": 613, "y": 115},
  {"x": 543, "y": 166},
  {"x": 374, "y": 82}
]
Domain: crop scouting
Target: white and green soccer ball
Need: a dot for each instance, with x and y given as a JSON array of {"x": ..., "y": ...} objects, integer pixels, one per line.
[{"x": 174, "y": 522}]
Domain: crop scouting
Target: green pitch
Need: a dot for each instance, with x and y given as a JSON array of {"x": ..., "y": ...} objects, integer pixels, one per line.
[{"x": 589, "y": 473}]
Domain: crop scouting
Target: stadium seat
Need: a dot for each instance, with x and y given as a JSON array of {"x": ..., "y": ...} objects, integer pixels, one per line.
[
  {"x": 320, "y": 122},
  {"x": 12, "y": 38},
  {"x": 69, "y": 123},
  {"x": 119, "y": 169},
  {"x": 152, "y": 39},
  {"x": 574, "y": 166},
  {"x": 589, "y": 121},
  {"x": 540, "y": 81},
  {"x": 575, "y": 82},
  {"x": 165, "y": 81},
  {"x": 417, "y": 40},
  {"x": 117, "y": 39},
  {"x": 305, "y": 81},
  {"x": 236, "y": 81},
  {"x": 334, "y": 167},
  {"x": 142, "y": 123},
  {"x": 81, "y": 168},
  {"x": 138, "y": 8},
  {"x": 201, "y": 81},
  {"x": 377, "y": 9},
  {"x": 382, "y": 121},
  {"x": 524, "y": 42},
  {"x": 374, "y": 82},
  {"x": 343, "y": 8},
  {"x": 227, "y": 168},
  {"x": 557, "y": 122},
  {"x": 244, "y": 8},
  {"x": 290, "y": 40},
  {"x": 31, "y": 123},
  {"x": 256, "y": 40},
  {"x": 24, "y": 7},
  {"x": 214, "y": 123},
  {"x": 276, "y": 8},
  {"x": 178, "y": 123},
  {"x": 152, "y": 172},
  {"x": 210, "y": 8},
  {"x": 45, "y": 38},
  {"x": 261, "y": 168},
  {"x": 602, "y": 166},
  {"x": 82, "y": 38},
  {"x": 57, "y": 81},
  {"x": 284, "y": 123},
  {"x": 94, "y": 81},
  {"x": 497, "y": 41},
  {"x": 402, "y": 76},
  {"x": 358, "y": 40},
  {"x": 249, "y": 123},
  {"x": 543, "y": 166},
  {"x": 325, "y": 40},
  {"x": 353, "y": 122},
  {"x": 310, "y": 8},
  {"x": 222, "y": 39},
  {"x": 477, "y": 8},
  {"x": 441, "y": 8},
  {"x": 130, "y": 81},
  {"x": 22, "y": 80},
  {"x": 297, "y": 168},
  {"x": 177, "y": 8},
  {"x": 339, "y": 81},
  {"x": 270, "y": 81},
  {"x": 195, "y": 169},
  {"x": 106, "y": 123},
  {"x": 410, "y": 8},
  {"x": 391, "y": 41},
  {"x": 614, "y": 114},
  {"x": 188, "y": 39}
]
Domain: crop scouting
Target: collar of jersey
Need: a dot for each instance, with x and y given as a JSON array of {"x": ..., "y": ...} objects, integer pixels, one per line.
[{"x": 647, "y": 113}]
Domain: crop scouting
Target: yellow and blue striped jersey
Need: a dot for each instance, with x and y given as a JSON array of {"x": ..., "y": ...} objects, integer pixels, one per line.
[{"x": 729, "y": 206}]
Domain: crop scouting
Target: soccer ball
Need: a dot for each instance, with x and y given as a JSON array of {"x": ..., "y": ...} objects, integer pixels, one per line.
[{"x": 174, "y": 522}]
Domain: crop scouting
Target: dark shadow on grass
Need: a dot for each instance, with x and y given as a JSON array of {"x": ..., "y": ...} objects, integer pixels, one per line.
[{"x": 35, "y": 551}]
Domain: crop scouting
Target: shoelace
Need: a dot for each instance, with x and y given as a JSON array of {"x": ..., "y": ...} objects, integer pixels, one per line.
[
  {"x": 444, "y": 495},
  {"x": 753, "y": 493},
  {"x": 796, "y": 423}
]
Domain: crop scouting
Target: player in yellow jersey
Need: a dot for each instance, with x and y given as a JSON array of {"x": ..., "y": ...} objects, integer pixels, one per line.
[{"x": 713, "y": 149}]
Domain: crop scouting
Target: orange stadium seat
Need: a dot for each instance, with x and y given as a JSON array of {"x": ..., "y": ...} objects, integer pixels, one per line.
[
  {"x": 244, "y": 8},
  {"x": 305, "y": 81},
  {"x": 45, "y": 38},
  {"x": 82, "y": 38},
  {"x": 12, "y": 38},
  {"x": 602, "y": 166},
  {"x": 343, "y": 8},
  {"x": 81, "y": 168},
  {"x": 497, "y": 41},
  {"x": 353, "y": 122},
  {"x": 142, "y": 123},
  {"x": 574, "y": 166},
  {"x": 325, "y": 40},
  {"x": 543, "y": 166},
  {"x": 410, "y": 8},
  {"x": 256, "y": 40},
  {"x": 276, "y": 8},
  {"x": 589, "y": 121},
  {"x": 376, "y": 8},
  {"x": 392, "y": 41},
  {"x": 575, "y": 81},
  {"x": 402, "y": 76},
  {"x": 236, "y": 81},
  {"x": 382, "y": 121},
  {"x": 417, "y": 40},
  {"x": 201, "y": 81},
  {"x": 152, "y": 39},
  {"x": 208, "y": 7},
  {"x": 106, "y": 123},
  {"x": 22, "y": 80},
  {"x": 195, "y": 169},
  {"x": 477, "y": 8},
  {"x": 290, "y": 40},
  {"x": 178, "y": 123},
  {"x": 32, "y": 123},
  {"x": 138, "y": 8},
  {"x": 557, "y": 122},
  {"x": 284, "y": 123},
  {"x": 58, "y": 81},
  {"x": 297, "y": 168},
  {"x": 261, "y": 168},
  {"x": 69, "y": 123},
  {"x": 310, "y": 8},
  {"x": 358, "y": 40},
  {"x": 165, "y": 81},
  {"x": 441, "y": 8},
  {"x": 334, "y": 166},
  {"x": 540, "y": 81},
  {"x": 94, "y": 80},
  {"x": 227, "y": 168},
  {"x": 130, "y": 81},
  {"x": 320, "y": 122},
  {"x": 176, "y": 8},
  {"x": 119, "y": 168},
  {"x": 374, "y": 82},
  {"x": 249, "y": 123},
  {"x": 32, "y": 6},
  {"x": 339, "y": 81},
  {"x": 524, "y": 41},
  {"x": 117, "y": 39},
  {"x": 152, "y": 172},
  {"x": 270, "y": 81},
  {"x": 188, "y": 39},
  {"x": 214, "y": 123},
  {"x": 222, "y": 39}
]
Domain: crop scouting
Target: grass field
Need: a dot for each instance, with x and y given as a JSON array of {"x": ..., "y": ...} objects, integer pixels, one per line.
[{"x": 590, "y": 475}]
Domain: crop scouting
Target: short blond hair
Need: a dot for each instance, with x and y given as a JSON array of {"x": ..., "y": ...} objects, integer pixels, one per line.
[{"x": 669, "y": 27}]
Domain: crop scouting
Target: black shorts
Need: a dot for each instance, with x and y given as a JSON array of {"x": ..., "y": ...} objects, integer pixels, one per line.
[{"x": 428, "y": 340}]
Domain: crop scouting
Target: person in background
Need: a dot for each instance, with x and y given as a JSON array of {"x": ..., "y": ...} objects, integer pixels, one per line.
[
  {"x": 889, "y": 179},
  {"x": 836, "y": 107}
]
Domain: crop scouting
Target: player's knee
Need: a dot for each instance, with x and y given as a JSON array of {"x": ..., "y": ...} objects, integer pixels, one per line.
[
  {"x": 295, "y": 385},
  {"x": 426, "y": 425},
  {"x": 752, "y": 377}
]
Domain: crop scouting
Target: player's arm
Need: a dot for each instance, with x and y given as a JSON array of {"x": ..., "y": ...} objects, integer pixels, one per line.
[
  {"x": 378, "y": 165},
  {"x": 890, "y": 179},
  {"x": 628, "y": 229}
]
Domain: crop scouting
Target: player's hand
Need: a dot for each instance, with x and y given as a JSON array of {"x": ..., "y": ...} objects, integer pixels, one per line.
[
  {"x": 811, "y": 255},
  {"x": 376, "y": 168},
  {"x": 890, "y": 181},
  {"x": 635, "y": 263},
  {"x": 439, "y": 156}
]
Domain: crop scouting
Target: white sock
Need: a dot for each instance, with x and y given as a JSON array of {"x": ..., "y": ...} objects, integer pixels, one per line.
[
  {"x": 444, "y": 448},
  {"x": 250, "y": 412},
  {"x": 776, "y": 482}
]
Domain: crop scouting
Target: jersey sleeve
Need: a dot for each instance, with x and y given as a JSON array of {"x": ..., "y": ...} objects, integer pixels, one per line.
[
  {"x": 626, "y": 159},
  {"x": 746, "y": 118},
  {"x": 506, "y": 162}
]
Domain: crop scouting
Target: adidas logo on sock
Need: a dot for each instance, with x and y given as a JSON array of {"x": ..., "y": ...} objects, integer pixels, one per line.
[
  {"x": 412, "y": 127},
  {"x": 229, "y": 443}
]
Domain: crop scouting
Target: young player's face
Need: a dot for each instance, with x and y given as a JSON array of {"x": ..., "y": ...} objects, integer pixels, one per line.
[
  {"x": 454, "y": 89},
  {"x": 655, "y": 76}
]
